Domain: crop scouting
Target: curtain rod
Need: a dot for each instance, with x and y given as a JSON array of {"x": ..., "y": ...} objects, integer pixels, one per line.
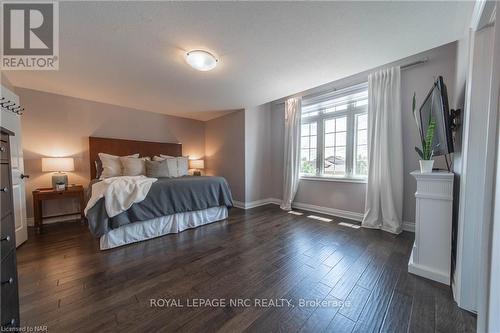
[
  {"x": 11, "y": 106},
  {"x": 418, "y": 62}
]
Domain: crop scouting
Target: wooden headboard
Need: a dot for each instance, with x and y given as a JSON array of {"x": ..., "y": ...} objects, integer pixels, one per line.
[{"x": 122, "y": 147}]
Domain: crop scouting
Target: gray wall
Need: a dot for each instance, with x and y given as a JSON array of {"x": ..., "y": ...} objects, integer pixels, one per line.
[
  {"x": 419, "y": 79},
  {"x": 351, "y": 196},
  {"x": 6, "y": 83},
  {"x": 257, "y": 152},
  {"x": 56, "y": 125},
  {"x": 225, "y": 150},
  {"x": 276, "y": 146}
]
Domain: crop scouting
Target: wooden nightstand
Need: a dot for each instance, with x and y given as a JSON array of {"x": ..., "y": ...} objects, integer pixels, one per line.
[{"x": 41, "y": 194}]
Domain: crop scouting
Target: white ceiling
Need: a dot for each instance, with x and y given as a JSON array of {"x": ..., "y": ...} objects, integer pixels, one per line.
[{"x": 131, "y": 53}]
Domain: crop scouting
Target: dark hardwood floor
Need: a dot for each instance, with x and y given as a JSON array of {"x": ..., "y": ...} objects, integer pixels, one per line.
[{"x": 256, "y": 255}]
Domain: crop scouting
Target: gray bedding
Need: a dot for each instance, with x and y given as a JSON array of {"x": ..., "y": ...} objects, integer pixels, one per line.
[{"x": 167, "y": 196}]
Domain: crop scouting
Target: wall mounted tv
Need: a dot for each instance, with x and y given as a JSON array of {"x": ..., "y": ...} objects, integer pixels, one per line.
[{"x": 435, "y": 106}]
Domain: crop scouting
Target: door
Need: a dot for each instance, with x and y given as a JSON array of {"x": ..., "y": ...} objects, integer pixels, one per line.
[{"x": 12, "y": 122}]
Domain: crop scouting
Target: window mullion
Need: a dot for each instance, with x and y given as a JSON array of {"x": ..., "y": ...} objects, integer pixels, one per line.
[
  {"x": 320, "y": 166},
  {"x": 350, "y": 141}
]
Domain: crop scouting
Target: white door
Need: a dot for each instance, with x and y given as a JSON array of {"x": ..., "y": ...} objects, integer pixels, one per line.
[{"x": 12, "y": 122}]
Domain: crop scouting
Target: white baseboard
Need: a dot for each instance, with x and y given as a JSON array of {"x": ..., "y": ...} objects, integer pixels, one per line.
[
  {"x": 409, "y": 226},
  {"x": 256, "y": 203},
  {"x": 329, "y": 211},
  {"x": 239, "y": 204},
  {"x": 355, "y": 216},
  {"x": 427, "y": 272},
  {"x": 30, "y": 221}
]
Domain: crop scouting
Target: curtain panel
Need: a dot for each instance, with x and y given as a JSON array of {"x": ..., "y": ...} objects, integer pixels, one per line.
[
  {"x": 291, "y": 165},
  {"x": 384, "y": 192}
]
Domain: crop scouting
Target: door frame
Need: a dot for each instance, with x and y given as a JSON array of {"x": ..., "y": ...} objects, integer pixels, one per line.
[{"x": 489, "y": 278}]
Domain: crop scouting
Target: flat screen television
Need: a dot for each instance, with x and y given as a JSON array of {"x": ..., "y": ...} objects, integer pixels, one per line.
[{"x": 435, "y": 106}]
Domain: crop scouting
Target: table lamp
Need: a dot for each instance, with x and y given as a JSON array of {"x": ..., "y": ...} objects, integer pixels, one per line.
[
  {"x": 198, "y": 165},
  {"x": 58, "y": 165}
]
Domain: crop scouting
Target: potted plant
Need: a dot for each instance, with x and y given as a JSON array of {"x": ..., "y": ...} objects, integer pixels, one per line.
[{"x": 426, "y": 153}]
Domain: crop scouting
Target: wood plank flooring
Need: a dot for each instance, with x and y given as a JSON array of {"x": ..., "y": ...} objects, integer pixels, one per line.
[{"x": 352, "y": 280}]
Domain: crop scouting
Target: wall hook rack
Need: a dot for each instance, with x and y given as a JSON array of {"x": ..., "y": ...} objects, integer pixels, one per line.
[{"x": 11, "y": 106}]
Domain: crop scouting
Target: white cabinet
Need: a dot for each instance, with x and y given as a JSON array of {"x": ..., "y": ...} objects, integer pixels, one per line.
[{"x": 431, "y": 254}]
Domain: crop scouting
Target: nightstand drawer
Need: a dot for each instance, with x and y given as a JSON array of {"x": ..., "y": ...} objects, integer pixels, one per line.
[
  {"x": 7, "y": 235},
  {"x": 5, "y": 187},
  {"x": 10, "y": 300}
]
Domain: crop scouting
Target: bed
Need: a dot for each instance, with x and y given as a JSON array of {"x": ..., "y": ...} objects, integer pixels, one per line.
[{"x": 171, "y": 205}]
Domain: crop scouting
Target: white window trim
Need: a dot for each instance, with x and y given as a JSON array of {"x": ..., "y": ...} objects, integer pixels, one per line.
[
  {"x": 340, "y": 179},
  {"x": 350, "y": 113}
]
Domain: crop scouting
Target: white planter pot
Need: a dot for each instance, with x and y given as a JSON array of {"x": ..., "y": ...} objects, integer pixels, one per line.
[{"x": 426, "y": 166}]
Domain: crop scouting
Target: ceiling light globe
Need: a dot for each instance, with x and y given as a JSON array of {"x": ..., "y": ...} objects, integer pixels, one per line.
[{"x": 201, "y": 60}]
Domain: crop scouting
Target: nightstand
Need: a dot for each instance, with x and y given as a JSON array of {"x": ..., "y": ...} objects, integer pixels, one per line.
[{"x": 41, "y": 194}]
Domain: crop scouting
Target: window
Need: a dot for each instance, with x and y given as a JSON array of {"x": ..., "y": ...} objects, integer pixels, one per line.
[
  {"x": 308, "y": 145},
  {"x": 334, "y": 139}
]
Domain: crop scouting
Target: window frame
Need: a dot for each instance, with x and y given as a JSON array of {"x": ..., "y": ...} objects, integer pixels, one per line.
[{"x": 350, "y": 114}]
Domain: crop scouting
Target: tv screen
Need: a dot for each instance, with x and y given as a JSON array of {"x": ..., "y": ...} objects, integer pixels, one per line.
[{"x": 435, "y": 107}]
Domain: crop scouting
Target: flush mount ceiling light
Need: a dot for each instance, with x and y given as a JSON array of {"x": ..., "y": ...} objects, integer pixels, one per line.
[{"x": 201, "y": 60}]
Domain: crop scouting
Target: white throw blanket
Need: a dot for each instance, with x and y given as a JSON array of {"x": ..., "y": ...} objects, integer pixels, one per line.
[{"x": 120, "y": 193}]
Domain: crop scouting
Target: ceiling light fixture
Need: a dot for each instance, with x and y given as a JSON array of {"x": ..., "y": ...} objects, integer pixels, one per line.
[{"x": 201, "y": 60}]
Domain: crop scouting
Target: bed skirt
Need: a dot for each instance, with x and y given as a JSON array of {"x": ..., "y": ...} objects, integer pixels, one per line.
[{"x": 169, "y": 224}]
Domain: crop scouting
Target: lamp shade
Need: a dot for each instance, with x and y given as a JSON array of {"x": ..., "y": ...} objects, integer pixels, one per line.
[
  {"x": 196, "y": 164},
  {"x": 58, "y": 164}
]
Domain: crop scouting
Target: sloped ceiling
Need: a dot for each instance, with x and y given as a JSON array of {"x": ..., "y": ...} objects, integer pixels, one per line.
[{"x": 132, "y": 53}]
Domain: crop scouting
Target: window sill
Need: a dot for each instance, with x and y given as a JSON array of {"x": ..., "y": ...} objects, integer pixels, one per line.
[{"x": 334, "y": 179}]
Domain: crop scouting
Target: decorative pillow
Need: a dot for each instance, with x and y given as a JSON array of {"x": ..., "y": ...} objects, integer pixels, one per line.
[
  {"x": 98, "y": 168},
  {"x": 132, "y": 166},
  {"x": 157, "y": 169},
  {"x": 159, "y": 158},
  {"x": 111, "y": 165},
  {"x": 172, "y": 167},
  {"x": 182, "y": 166},
  {"x": 179, "y": 164}
]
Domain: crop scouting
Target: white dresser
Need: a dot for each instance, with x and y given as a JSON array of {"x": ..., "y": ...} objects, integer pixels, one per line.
[{"x": 431, "y": 254}]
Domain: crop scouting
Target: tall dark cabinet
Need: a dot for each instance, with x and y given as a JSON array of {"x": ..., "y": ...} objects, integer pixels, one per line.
[{"x": 9, "y": 297}]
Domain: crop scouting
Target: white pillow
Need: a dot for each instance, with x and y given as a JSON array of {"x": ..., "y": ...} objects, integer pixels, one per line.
[
  {"x": 111, "y": 165},
  {"x": 132, "y": 166}
]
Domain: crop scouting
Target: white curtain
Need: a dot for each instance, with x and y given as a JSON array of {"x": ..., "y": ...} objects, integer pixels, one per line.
[
  {"x": 384, "y": 193},
  {"x": 291, "y": 162}
]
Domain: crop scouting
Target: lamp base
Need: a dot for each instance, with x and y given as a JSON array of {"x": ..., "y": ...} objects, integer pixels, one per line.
[{"x": 59, "y": 178}]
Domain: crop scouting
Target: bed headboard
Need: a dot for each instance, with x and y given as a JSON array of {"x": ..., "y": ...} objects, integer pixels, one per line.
[{"x": 122, "y": 147}]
